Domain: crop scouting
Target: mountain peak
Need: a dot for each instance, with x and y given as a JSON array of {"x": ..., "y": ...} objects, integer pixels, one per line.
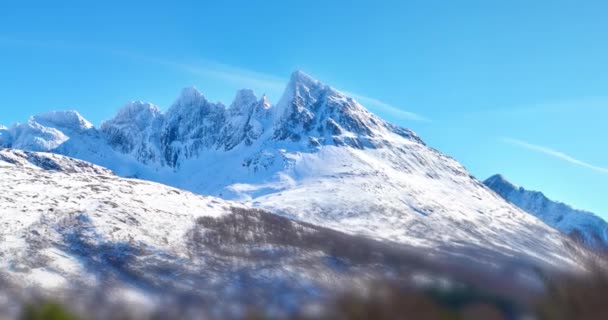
[
  {"x": 310, "y": 109},
  {"x": 135, "y": 108},
  {"x": 302, "y": 92},
  {"x": 244, "y": 97},
  {"x": 189, "y": 96},
  {"x": 264, "y": 102},
  {"x": 499, "y": 180},
  {"x": 299, "y": 78},
  {"x": 70, "y": 119},
  {"x": 138, "y": 113}
]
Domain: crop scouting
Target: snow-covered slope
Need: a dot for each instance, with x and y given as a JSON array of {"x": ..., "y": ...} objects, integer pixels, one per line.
[
  {"x": 74, "y": 231},
  {"x": 43, "y": 195},
  {"x": 583, "y": 225},
  {"x": 317, "y": 156},
  {"x": 77, "y": 233}
]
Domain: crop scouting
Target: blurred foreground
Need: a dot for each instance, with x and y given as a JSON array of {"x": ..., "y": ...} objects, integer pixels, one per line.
[{"x": 565, "y": 296}]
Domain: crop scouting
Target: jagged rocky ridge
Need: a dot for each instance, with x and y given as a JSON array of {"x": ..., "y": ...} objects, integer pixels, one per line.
[
  {"x": 317, "y": 156},
  {"x": 310, "y": 113},
  {"x": 582, "y": 225}
]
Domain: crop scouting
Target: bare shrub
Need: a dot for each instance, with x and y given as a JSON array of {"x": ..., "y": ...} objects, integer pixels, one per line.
[{"x": 578, "y": 296}]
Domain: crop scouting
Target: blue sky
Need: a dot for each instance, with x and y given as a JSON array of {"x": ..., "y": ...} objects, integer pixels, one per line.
[{"x": 512, "y": 87}]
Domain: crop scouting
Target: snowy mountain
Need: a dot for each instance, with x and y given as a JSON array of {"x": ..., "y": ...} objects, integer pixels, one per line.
[
  {"x": 317, "y": 156},
  {"x": 583, "y": 225}
]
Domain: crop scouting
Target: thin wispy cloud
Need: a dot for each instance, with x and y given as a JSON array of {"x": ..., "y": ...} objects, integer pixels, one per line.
[
  {"x": 574, "y": 106},
  {"x": 387, "y": 108},
  {"x": 556, "y": 154},
  {"x": 213, "y": 70},
  {"x": 204, "y": 68}
]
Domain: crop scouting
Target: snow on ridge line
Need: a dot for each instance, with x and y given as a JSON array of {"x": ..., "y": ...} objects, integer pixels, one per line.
[
  {"x": 188, "y": 96},
  {"x": 319, "y": 115},
  {"x": 585, "y": 225},
  {"x": 50, "y": 162},
  {"x": 71, "y": 119}
]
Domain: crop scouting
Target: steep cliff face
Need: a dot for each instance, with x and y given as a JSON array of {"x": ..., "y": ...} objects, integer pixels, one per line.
[
  {"x": 135, "y": 130},
  {"x": 248, "y": 118},
  {"x": 583, "y": 225},
  {"x": 318, "y": 114}
]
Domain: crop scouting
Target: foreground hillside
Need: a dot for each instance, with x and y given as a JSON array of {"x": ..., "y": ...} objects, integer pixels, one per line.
[{"x": 75, "y": 232}]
